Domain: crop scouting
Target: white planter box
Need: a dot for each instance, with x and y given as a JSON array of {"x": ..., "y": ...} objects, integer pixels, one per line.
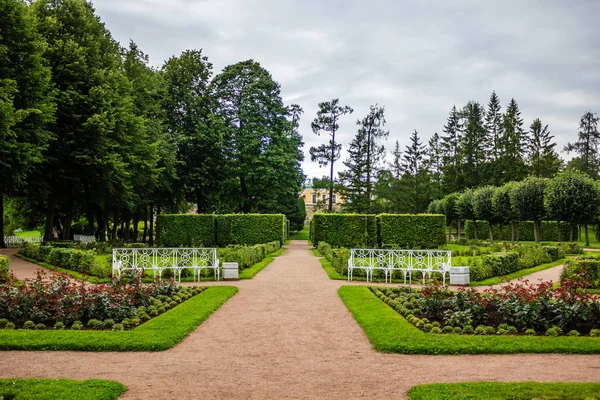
[
  {"x": 231, "y": 271},
  {"x": 459, "y": 276}
]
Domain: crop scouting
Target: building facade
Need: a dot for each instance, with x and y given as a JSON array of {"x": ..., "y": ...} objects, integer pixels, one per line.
[{"x": 316, "y": 200}]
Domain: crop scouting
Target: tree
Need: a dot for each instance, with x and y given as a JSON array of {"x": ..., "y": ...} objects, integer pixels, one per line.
[
  {"x": 573, "y": 197},
  {"x": 483, "y": 206},
  {"x": 263, "y": 146},
  {"x": 473, "y": 145},
  {"x": 365, "y": 154},
  {"x": 449, "y": 207},
  {"x": 434, "y": 165},
  {"x": 543, "y": 159},
  {"x": 493, "y": 125},
  {"x": 464, "y": 207},
  {"x": 26, "y": 101},
  {"x": 451, "y": 153},
  {"x": 586, "y": 146},
  {"x": 528, "y": 198},
  {"x": 504, "y": 208},
  {"x": 415, "y": 176},
  {"x": 327, "y": 121},
  {"x": 511, "y": 165}
]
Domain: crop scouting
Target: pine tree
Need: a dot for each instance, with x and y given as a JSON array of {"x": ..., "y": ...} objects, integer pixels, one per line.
[
  {"x": 493, "y": 125},
  {"x": 396, "y": 163},
  {"x": 473, "y": 145},
  {"x": 587, "y": 145},
  {"x": 415, "y": 176},
  {"x": 512, "y": 164},
  {"x": 328, "y": 120},
  {"x": 451, "y": 153},
  {"x": 434, "y": 166},
  {"x": 542, "y": 158}
]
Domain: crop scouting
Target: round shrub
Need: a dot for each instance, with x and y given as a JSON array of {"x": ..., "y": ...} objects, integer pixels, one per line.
[
  {"x": 118, "y": 327},
  {"x": 512, "y": 330},
  {"x": 77, "y": 325},
  {"x": 177, "y": 299},
  {"x": 29, "y": 325},
  {"x": 419, "y": 323},
  {"x": 3, "y": 322},
  {"x": 126, "y": 323},
  {"x": 162, "y": 310},
  {"x": 530, "y": 332},
  {"x": 573, "y": 333},
  {"x": 595, "y": 333},
  {"x": 435, "y": 324},
  {"x": 59, "y": 325},
  {"x": 447, "y": 329},
  {"x": 153, "y": 312},
  {"x": 39, "y": 327},
  {"x": 480, "y": 330},
  {"x": 436, "y": 329},
  {"x": 95, "y": 324},
  {"x": 144, "y": 316},
  {"x": 141, "y": 309},
  {"x": 9, "y": 325},
  {"x": 427, "y": 327},
  {"x": 554, "y": 331},
  {"x": 109, "y": 323},
  {"x": 135, "y": 321},
  {"x": 468, "y": 330},
  {"x": 490, "y": 330}
]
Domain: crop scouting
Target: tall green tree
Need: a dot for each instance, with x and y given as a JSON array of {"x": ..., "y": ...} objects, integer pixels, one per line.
[
  {"x": 541, "y": 156},
  {"x": 434, "y": 165},
  {"x": 262, "y": 145},
  {"x": 26, "y": 101},
  {"x": 473, "y": 145},
  {"x": 451, "y": 153},
  {"x": 512, "y": 164},
  {"x": 483, "y": 207},
  {"x": 327, "y": 121},
  {"x": 493, "y": 126},
  {"x": 364, "y": 158},
  {"x": 504, "y": 208},
  {"x": 415, "y": 179},
  {"x": 528, "y": 198},
  {"x": 464, "y": 208},
  {"x": 586, "y": 146}
]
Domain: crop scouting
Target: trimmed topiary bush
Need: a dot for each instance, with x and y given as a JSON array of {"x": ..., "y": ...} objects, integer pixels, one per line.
[
  {"x": 421, "y": 231},
  {"x": 4, "y": 267},
  {"x": 345, "y": 230},
  {"x": 250, "y": 229},
  {"x": 186, "y": 230}
]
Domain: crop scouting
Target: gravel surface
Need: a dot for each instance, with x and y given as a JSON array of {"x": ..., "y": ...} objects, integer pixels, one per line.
[{"x": 287, "y": 335}]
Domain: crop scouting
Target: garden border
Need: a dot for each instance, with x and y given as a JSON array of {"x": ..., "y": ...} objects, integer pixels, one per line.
[
  {"x": 389, "y": 332},
  {"x": 159, "y": 333},
  {"x": 56, "y": 389},
  {"x": 503, "y": 390}
]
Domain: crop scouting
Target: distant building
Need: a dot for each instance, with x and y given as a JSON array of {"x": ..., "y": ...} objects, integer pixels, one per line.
[{"x": 318, "y": 200}]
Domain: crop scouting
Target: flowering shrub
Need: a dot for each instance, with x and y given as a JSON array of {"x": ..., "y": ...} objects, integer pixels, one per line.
[
  {"x": 518, "y": 307},
  {"x": 585, "y": 270},
  {"x": 56, "y": 298}
]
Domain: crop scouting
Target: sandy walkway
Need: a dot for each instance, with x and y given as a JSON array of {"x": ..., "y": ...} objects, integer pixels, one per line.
[
  {"x": 20, "y": 268},
  {"x": 286, "y": 334}
]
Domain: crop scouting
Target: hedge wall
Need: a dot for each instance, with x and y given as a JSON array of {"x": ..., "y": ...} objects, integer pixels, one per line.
[
  {"x": 250, "y": 229},
  {"x": 410, "y": 231},
  {"x": 4, "y": 267},
  {"x": 185, "y": 230},
  {"x": 548, "y": 231},
  {"x": 344, "y": 230},
  {"x": 83, "y": 261}
]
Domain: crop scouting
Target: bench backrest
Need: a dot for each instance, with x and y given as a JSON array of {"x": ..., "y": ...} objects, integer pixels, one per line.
[
  {"x": 159, "y": 258},
  {"x": 430, "y": 260},
  {"x": 84, "y": 238}
]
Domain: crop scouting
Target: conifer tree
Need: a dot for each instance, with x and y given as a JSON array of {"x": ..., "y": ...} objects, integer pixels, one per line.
[
  {"x": 451, "y": 153},
  {"x": 587, "y": 145},
  {"x": 473, "y": 145},
  {"x": 434, "y": 166},
  {"x": 541, "y": 156},
  {"x": 512, "y": 164},
  {"x": 415, "y": 176}
]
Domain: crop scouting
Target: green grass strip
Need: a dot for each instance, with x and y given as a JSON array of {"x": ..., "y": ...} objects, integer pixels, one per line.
[
  {"x": 276, "y": 253},
  {"x": 316, "y": 253},
  {"x": 518, "y": 274},
  {"x": 59, "y": 389},
  {"x": 301, "y": 235},
  {"x": 505, "y": 390},
  {"x": 159, "y": 333},
  {"x": 389, "y": 332},
  {"x": 251, "y": 272}
]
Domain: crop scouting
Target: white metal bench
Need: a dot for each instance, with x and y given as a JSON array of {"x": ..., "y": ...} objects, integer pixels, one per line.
[
  {"x": 160, "y": 259},
  {"x": 406, "y": 261},
  {"x": 84, "y": 239},
  {"x": 13, "y": 241}
]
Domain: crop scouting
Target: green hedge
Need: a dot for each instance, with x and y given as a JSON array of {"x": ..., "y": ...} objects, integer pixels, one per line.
[
  {"x": 247, "y": 256},
  {"x": 186, "y": 230},
  {"x": 4, "y": 266},
  {"x": 490, "y": 265},
  {"x": 83, "y": 261},
  {"x": 344, "y": 230},
  {"x": 420, "y": 231},
  {"x": 548, "y": 231},
  {"x": 585, "y": 269},
  {"x": 250, "y": 229}
]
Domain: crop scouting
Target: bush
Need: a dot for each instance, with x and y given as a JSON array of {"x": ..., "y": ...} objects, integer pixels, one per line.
[
  {"x": 422, "y": 231},
  {"x": 324, "y": 248},
  {"x": 548, "y": 231},
  {"x": 4, "y": 267},
  {"x": 585, "y": 270},
  {"x": 500, "y": 263},
  {"x": 571, "y": 248},
  {"x": 250, "y": 229},
  {"x": 531, "y": 256},
  {"x": 344, "y": 230},
  {"x": 83, "y": 261},
  {"x": 247, "y": 256},
  {"x": 186, "y": 230},
  {"x": 339, "y": 260}
]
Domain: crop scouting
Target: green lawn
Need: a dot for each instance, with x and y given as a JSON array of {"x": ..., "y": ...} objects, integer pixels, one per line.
[
  {"x": 301, "y": 235},
  {"x": 59, "y": 389},
  {"x": 28, "y": 233},
  {"x": 159, "y": 333},
  {"x": 389, "y": 332},
  {"x": 505, "y": 390}
]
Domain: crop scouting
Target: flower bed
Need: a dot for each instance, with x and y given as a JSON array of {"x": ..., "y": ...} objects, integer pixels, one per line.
[
  {"x": 516, "y": 309},
  {"x": 57, "y": 302},
  {"x": 585, "y": 270}
]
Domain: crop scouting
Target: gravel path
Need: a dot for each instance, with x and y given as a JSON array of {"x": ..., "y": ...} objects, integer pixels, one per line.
[
  {"x": 287, "y": 335},
  {"x": 20, "y": 268}
]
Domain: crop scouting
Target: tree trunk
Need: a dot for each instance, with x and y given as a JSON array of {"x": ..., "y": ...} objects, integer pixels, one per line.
[
  {"x": 559, "y": 231},
  {"x": 536, "y": 231},
  {"x": 579, "y": 232},
  {"x": 151, "y": 234},
  {"x": 125, "y": 225},
  {"x": 90, "y": 219},
  {"x": 136, "y": 220},
  {"x": 572, "y": 232},
  {"x": 68, "y": 221},
  {"x": 512, "y": 231},
  {"x": 245, "y": 206},
  {"x": 2, "y": 243},
  {"x": 145, "y": 224},
  {"x": 458, "y": 230},
  {"x": 330, "y": 207},
  {"x": 587, "y": 237},
  {"x": 115, "y": 224},
  {"x": 475, "y": 229},
  {"x": 491, "y": 233},
  {"x": 49, "y": 222}
]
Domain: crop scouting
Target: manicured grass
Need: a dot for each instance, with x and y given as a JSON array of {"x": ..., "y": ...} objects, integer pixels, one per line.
[
  {"x": 159, "y": 333},
  {"x": 58, "y": 389},
  {"x": 28, "y": 233},
  {"x": 301, "y": 235},
  {"x": 276, "y": 253},
  {"x": 249, "y": 273},
  {"x": 517, "y": 274},
  {"x": 331, "y": 272},
  {"x": 389, "y": 332},
  {"x": 505, "y": 390},
  {"x": 316, "y": 253}
]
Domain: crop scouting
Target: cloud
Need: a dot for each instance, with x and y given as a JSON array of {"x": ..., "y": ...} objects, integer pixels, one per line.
[{"x": 415, "y": 58}]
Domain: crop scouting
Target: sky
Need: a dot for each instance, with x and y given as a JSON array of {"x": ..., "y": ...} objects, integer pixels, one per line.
[{"x": 417, "y": 59}]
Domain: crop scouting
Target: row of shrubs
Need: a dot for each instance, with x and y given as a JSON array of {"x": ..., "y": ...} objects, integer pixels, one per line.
[
  {"x": 405, "y": 231},
  {"x": 585, "y": 269},
  {"x": 210, "y": 230},
  {"x": 82, "y": 261},
  {"x": 247, "y": 256},
  {"x": 4, "y": 267},
  {"x": 524, "y": 231}
]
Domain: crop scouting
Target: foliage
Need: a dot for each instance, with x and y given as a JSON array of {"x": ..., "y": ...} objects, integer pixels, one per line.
[
  {"x": 247, "y": 256},
  {"x": 587, "y": 144},
  {"x": 83, "y": 261},
  {"x": 186, "y": 230},
  {"x": 58, "y": 389},
  {"x": 504, "y": 390},
  {"x": 160, "y": 333},
  {"x": 542, "y": 157},
  {"x": 583, "y": 269},
  {"x": 250, "y": 229},
  {"x": 528, "y": 198},
  {"x": 422, "y": 231},
  {"x": 345, "y": 230},
  {"x": 4, "y": 267}
]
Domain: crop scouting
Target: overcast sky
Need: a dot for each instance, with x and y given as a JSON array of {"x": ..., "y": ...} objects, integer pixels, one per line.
[{"x": 415, "y": 58}]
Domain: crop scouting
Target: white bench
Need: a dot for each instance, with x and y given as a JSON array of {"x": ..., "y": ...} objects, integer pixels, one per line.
[
  {"x": 14, "y": 241},
  {"x": 159, "y": 259},
  {"x": 84, "y": 239},
  {"x": 406, "y": 261}
]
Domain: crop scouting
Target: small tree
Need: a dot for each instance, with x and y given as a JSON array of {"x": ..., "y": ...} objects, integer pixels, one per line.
[
  {"x": 503, "y": 207},
  {"x": 464, "y": 207},
  {"x": 449, "y": 206},
  {"x": 528, "y": 198},
  {"x": 573, "y": 197},
  {"x": 483, "y": 206}
]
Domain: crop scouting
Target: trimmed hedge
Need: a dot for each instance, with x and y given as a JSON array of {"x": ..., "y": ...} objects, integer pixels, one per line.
[
  {"x": 250, "y": 229},
  {"x": 548, "y": 231},
  {"x": 83, "y": 261},
  {"x": 490, "y": 265},
  {"x": 420, "y": 231},
  {"x": 186, "y": 230},
  {"x": 247, "y": 256},
  {"x": 584, "y": 269},
  {"x": 344, "y": 230},
  {"x": 4, "y": 266}
]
